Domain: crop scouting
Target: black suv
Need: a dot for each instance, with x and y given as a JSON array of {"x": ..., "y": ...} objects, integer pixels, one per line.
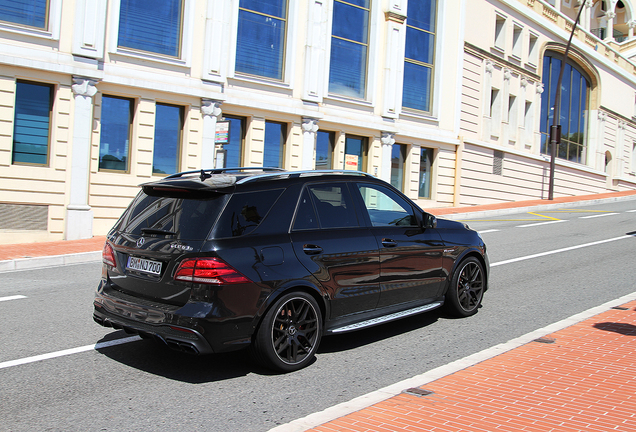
[{"x": 217, "y": 260}]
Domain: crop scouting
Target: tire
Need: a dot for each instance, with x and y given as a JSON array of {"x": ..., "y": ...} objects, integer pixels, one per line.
[
  {"x": 466, "y": 289},
  {"x": 289, "y": 334}
]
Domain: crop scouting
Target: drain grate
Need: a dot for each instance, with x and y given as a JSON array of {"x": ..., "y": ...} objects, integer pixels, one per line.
[
  {"x": 545, "y": 340},
  {"x": 620, "y": 308},
  {"x": 416, "y": 391}
]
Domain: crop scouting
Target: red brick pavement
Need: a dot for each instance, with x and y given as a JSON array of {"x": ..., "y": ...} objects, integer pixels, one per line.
[{"x": 584, "y": 381}]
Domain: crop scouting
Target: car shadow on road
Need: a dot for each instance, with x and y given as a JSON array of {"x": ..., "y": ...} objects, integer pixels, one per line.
[
  {"x": 352, "y": 340},
  {"x": 157, "y": 359},
  {"x": 154, "y": 358}
]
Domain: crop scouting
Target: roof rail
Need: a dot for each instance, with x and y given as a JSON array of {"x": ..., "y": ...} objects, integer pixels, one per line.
[
  {"x": 303, "y": 173},
  {"x": 208, "y": 172}
]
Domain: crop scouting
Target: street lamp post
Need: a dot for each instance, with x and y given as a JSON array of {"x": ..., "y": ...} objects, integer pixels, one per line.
[{"x": 555, "y": 129}]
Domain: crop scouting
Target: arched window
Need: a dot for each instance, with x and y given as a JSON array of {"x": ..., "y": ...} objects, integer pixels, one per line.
[{"x": 575, "y": 90}]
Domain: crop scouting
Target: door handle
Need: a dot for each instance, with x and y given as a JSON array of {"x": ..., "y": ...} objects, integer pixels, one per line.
[
  {"x": 388, "y": 242},
  {"x": 311, "y": 249}
]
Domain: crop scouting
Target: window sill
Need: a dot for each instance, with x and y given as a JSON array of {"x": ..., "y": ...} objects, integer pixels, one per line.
[
  {"x": 28, "y": 31},
  {"x": 148, "y": 56},
  {"x": 418, "y": 115},
  {"x": 261, "y": 80},
  {"x": 348, "y": 100}
]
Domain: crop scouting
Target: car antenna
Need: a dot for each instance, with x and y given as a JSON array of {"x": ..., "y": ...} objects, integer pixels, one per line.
[{"x": 204, "y": 175}]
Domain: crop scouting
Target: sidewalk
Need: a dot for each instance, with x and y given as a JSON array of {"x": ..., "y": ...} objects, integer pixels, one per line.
[{"x": 579, "y": 378}]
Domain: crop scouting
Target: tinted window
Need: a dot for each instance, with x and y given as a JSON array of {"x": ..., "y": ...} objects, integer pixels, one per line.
[
  {"x": 329, "y": 205},
  {"x": 188, "y": 218},
  {"x": 385, "y": 207},
  {"x": 31, "y": 13},
  {"x": 244, "y": 212},
  {"x": 32, "y": 122},
  {"x": 152, "y": 26}
]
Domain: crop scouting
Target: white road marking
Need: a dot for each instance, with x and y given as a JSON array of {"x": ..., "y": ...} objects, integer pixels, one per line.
[
  {"x": 631, "y": 211},
  {"x": 488, "y": 231},
  {"x": 598, "y": 215},
  {"x": 559, "y": 250},
  {"x": 100, "y": 345},
  {"x": 541, "y": 223},
  {"x": 15, "y": 297},
  {"x": 68, "y": 352}
]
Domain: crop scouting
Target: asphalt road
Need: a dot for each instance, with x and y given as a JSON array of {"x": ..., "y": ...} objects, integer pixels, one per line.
[{"x": 541, "y": 273}]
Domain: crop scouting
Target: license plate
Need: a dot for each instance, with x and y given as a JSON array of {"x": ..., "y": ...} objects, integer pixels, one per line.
[{"x": 144, "y": 265}]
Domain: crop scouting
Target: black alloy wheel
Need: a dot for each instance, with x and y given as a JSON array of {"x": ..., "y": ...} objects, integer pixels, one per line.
[
  {"x": 290, "y": 333},
  {"x": 466, "y": 290}
]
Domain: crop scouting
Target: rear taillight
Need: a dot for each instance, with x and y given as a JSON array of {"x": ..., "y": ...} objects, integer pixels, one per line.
[
  {"x": 108, "y": 255},
  {"x": 208, "y": 271}
]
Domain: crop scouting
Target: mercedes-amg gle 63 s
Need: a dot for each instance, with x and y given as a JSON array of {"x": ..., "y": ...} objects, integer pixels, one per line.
[{"x": 217, "y": 260}]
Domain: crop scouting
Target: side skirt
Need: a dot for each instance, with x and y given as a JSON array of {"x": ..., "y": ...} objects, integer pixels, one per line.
[{"x": 385, "y": 318}]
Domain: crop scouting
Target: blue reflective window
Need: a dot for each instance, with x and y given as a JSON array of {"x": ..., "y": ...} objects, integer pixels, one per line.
[
  {"x": 398, "y": 157},
  {"x": 274, "y": 150},
  {"x": 260, "y": 47},
  {"x": 168, "y": 132},
  {"x": 324, "y": 149},
  {"x": 573, "y": 113},
  {"x": 349, "y": 48},
  {"x": 114, "y": 139},
  {"x": 355, "y": 152},
  {"x": 234, "y": 147},
  {"x": 33, "y": 104},
  {"x": 152, "y": 26},
  {"x": 419, "y": 54},
  {"x": 426, "y": 163},
  {"x": 32, "y": 13}
]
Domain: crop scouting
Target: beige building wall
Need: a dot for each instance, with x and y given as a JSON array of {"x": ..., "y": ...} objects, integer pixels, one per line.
[{"x": 483, "y": 150}]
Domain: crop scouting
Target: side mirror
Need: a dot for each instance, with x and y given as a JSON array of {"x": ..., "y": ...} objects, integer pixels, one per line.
[{"x": 430, "y": 221}]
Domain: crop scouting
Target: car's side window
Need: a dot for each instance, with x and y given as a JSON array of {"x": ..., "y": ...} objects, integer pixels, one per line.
[
  {"x": 325, "y": 206},
  {"x": 245, "y": 211},
  {"x": 385, "y": 207}
]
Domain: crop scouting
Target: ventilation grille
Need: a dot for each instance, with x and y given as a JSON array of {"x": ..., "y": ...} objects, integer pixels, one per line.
[
  {"x": 24, "y": 217},
  {"x": 497, "y": 163}
]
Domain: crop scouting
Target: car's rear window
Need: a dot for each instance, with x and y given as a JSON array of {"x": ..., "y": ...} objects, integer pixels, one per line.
[
  {"x": 186, "y": 217},
  {"x": 245, "y": 212}
]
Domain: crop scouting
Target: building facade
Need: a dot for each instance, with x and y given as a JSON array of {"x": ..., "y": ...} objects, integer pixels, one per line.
[{"x": 447, "y": 100}]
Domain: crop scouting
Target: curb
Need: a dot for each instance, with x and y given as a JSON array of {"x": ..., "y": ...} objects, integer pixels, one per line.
[
  {"x": 361, "y": 402},
  {"x": 459, "y": 214},
  {"x": 49, "y": 261},
  {"x": 526, "y": 209}
]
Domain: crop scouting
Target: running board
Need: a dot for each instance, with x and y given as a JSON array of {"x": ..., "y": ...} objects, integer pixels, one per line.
[{"x": 386, "y": 318}]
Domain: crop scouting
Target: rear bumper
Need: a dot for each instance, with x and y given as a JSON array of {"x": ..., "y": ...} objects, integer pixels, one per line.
[{"x": 188, "y": 329}]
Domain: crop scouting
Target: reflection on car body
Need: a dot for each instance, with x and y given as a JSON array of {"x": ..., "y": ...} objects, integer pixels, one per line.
[{"x": 217, "y": 260}]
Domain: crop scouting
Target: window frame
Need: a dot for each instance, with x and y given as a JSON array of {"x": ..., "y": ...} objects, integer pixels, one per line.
[
  {"x": 431, "y": 67},
  {"x": 547, "y": 105},
  {"x": 179, "y": 149},
  {"x": 186, "y": 37},
  {"x": 363, "y": 158},
  {"x": 133, "y": 106},
  {"x": 428, "y": 173},
  {"x": 366, "y": 92},
  {"x": 50, "y": 32},
  {"x": 285, "y": 48},
  {"x": 331, "y": 145},
  {"x": 400, "y": 170},
  {"x": 52, "y": 89},
  {"x": 283, "y": 142},
  {"x": 499, "y": 42}
]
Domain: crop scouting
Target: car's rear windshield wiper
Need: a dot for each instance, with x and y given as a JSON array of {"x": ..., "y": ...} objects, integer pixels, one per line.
[{"x": 156, "y": 231}]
